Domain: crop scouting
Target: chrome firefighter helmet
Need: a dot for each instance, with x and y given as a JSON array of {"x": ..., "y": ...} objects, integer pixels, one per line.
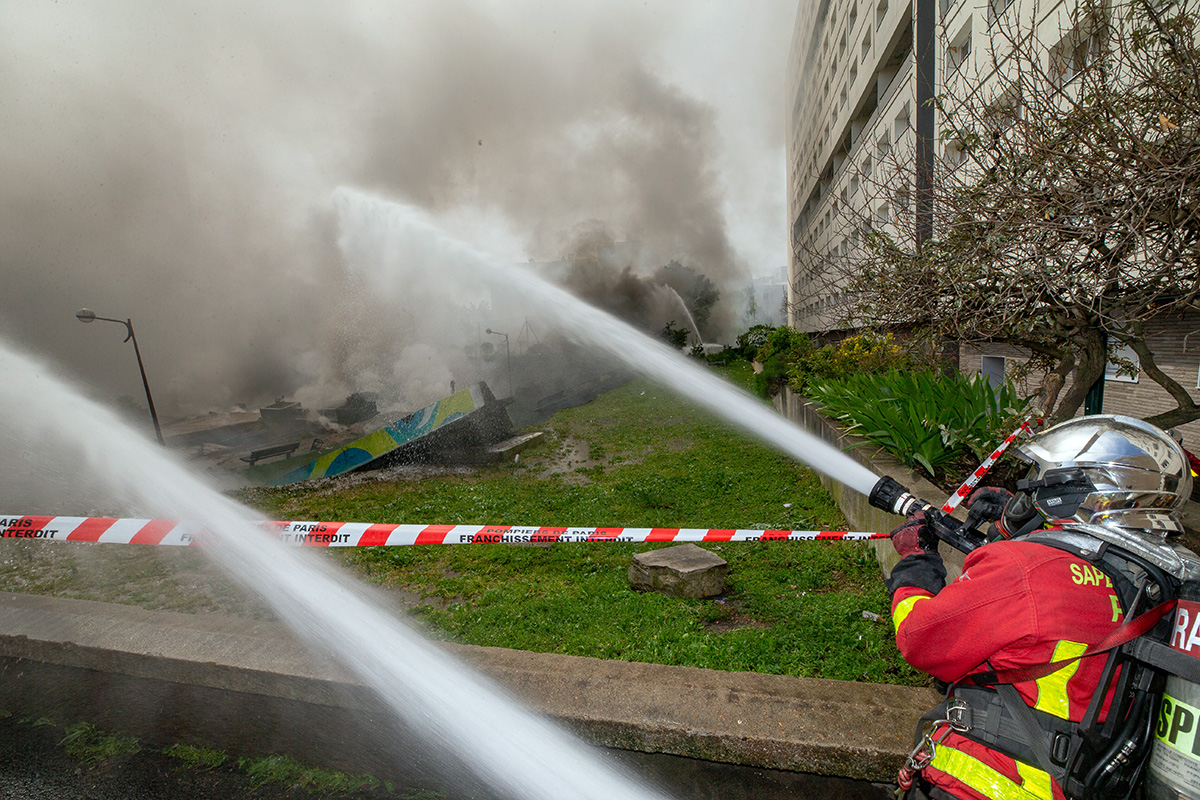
[{"x": 1105, "y": 470}]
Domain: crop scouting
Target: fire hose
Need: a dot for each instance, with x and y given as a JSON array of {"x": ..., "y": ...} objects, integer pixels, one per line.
[{"x": 889, "y": 495}]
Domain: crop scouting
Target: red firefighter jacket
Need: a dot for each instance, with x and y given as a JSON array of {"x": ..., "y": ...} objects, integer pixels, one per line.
[{"x": 1017, "y": 604}]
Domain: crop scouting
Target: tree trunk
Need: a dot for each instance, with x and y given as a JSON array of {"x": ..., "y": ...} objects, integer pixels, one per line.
[
  {"x": 1186, "y": 408},
  {"x": 1093, "y": 358}
]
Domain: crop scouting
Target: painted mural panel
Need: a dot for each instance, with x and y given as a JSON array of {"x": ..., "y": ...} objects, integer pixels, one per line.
[{"x": 388, "y": 438}]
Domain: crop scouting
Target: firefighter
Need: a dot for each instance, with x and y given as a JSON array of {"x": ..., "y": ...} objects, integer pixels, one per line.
[{"x": 1026, "y": 599}]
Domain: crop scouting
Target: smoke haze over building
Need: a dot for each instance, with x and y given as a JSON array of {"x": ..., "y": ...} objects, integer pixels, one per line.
[{"x": 175, "y": 163}]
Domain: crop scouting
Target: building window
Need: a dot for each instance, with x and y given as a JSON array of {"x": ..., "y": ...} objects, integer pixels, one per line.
[
  {"x": 959, "y": 51},
  {"x": 866, "y": 167},
  {"x": 883, "y": 146},
  {"x": 1003, "y": 113},
  {"x": 1071, "y": 56},
  {"x": 883, "y": 214},
  {"x": 955, "y": 152},
  {"x": 902, "y": 123},
  {"x": 866, "y": 45},
  {"x": 880, "y": 13},
  {"x": 992, "y": 368},
  {"x": 996, "y": 9},
  {"x": 1115, "y": 371}
]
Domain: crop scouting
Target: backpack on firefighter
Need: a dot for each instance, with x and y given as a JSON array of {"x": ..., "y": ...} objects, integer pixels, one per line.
[{"x": 1107, "y": 489}]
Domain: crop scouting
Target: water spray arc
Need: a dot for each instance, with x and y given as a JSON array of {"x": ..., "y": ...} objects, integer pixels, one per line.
[
  {"x": 505, "y": 747},
  {"x": 691, "y": 320},
  {"x": 382, "y": 239},
  {"x": 510, "y": 750}
]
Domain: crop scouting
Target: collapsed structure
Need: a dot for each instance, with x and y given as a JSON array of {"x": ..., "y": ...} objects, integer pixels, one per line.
[
  {"x": 457, "y": 426},
  {"x": 282, "y": 445}
]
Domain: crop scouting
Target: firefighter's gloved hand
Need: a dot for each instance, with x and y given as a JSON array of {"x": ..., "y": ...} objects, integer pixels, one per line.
[
  {"x": 988, "y": 502},
  {"x": 914, "y": 536}
]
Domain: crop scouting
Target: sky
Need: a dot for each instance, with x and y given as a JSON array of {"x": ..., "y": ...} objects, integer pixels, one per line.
[{"x": 175, "y": 163}]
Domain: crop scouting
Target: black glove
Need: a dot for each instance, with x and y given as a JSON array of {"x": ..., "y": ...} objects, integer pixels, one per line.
[
  {"x": 914, "y": 536},
  {"x": 988, "y": 502}
]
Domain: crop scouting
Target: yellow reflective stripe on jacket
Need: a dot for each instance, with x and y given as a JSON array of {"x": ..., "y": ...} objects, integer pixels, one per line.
[
  {"x": 1052, "y": 689},
  {"x": 905, "y": 607},
  {"x": 1035, "y": 784},
  {"x": 1034, "y": 780}
]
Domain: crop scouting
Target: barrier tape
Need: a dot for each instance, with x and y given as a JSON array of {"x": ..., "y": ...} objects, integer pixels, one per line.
[
  {"x": 973, "y": 479},
  {"x": 103, "y": 530}
]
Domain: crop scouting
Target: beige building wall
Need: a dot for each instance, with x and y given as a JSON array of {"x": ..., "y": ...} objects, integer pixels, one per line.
[
  {"x": 851, "y": 90},
  {"x": 1175, "y": 342}
]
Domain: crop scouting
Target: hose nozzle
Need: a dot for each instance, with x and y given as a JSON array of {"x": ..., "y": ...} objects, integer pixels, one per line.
[{"x": 890, "y": 496}]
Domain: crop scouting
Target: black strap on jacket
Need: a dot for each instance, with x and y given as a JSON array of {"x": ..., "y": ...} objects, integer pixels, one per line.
[{"x": 999, "y": 718}]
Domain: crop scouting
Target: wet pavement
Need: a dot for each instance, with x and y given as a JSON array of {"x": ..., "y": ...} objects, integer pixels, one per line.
[{"x": 34, "y": 767}]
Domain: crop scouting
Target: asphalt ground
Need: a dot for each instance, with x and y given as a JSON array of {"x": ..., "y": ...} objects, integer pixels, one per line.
[{"x": 34, "y": 767}]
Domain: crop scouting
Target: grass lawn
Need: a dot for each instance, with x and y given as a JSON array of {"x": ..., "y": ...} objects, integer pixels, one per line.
[{"x": 635, "y": 457}]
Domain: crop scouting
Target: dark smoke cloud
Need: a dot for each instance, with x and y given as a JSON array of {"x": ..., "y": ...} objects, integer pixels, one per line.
[{"x": 174, "y": 163}]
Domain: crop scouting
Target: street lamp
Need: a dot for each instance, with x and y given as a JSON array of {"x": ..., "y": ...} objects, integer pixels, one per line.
[
  {"x": 87, "y": 315},
  {"x": 507, "y": 354}
]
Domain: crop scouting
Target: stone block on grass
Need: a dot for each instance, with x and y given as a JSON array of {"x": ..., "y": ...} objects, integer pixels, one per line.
[{"x": 681, "y": 571}]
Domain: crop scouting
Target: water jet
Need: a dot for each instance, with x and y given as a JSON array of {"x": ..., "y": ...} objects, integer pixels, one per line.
[{"x": 382, "y": 239}]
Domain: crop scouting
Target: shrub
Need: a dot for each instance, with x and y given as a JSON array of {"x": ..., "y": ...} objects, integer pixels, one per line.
[
  {"x": 863, "y": 353},
  {"x": 781, "y": 349},
  {"x": 934, "y": 421},
  {"x": 749, "y": 342},
  {"x": 675, "y": 337}
]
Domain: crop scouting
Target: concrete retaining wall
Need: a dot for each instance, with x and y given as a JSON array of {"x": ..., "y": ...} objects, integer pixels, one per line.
[{"x": 861, "y": 515}]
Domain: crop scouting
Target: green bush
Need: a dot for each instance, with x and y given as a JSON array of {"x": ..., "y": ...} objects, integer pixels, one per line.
[
  {"x": 675, "y": 337},
  {"x": 749, "y": 342},
  {"x": 934, "y": 421},
  {"x": 783, "y": 346},
  {"x": 864, "y": 353}
]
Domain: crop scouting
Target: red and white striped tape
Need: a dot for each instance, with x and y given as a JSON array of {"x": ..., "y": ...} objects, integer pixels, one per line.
[
  {"x": 973, "y": 479},
  {"x": 365, "y": 534}
]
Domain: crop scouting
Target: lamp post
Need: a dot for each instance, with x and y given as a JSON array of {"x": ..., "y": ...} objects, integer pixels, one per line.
[
  {"x": 87, "y": 315},
  {"x": 507, "y": 355}
]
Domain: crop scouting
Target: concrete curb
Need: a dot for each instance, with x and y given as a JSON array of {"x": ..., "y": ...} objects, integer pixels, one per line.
[{"x": 248, "y": 687}]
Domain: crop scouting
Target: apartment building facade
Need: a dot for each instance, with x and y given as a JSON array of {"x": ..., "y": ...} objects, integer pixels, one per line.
[
  {"x": 852, "y": 87},
  {"x": 851, "y": 149}
]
